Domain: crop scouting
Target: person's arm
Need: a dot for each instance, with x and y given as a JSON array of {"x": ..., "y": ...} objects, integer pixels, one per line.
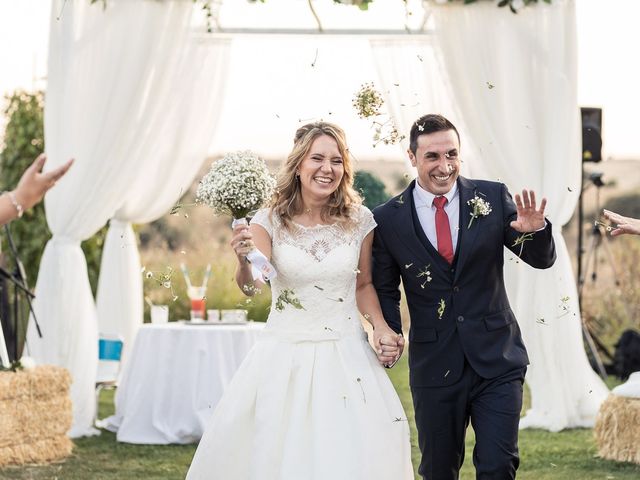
[
  {"x": 624, "y": 225},
  {"x": 8, "y": 209},
  {"x": 388, "y": 344},
  {"x": 30, "y": 189},
  {"x": 386, "y": 281},
  {"x": 246, "y": 238}
]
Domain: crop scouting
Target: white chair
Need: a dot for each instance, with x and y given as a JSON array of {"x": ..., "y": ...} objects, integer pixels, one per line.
[{"x": 109, "y": 355}]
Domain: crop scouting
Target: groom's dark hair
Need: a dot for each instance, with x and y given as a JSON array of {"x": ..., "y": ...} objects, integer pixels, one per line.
[{"x": 429, "y": 123}]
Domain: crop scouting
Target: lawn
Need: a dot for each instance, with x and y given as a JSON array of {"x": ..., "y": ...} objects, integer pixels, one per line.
[{"x": 565, "y": 455}]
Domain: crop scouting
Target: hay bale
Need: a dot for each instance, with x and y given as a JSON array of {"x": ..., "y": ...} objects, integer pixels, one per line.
[
  {"x": 35, "y": 415},
  {"x": 617, "y": 429}
]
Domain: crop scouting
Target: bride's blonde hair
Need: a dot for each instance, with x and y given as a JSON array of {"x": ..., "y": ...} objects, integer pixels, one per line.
[{"x": 287, "y": 201}]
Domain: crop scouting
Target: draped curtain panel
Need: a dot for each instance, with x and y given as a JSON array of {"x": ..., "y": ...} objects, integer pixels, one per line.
[
  {"x": 413, "y": 85},
  {"x": 169, "y": 152},
  {"x": 111, "y": 73},
  {"x": 513, "y": 78}
]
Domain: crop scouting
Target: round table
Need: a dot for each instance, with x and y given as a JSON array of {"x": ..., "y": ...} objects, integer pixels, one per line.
[{"x": 174, "y": 377}]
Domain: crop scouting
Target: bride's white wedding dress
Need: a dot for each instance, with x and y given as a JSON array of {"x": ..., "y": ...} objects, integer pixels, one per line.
[{"x": 310, "y": 401}]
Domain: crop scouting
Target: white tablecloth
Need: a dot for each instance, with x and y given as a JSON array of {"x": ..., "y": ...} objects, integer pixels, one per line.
[{"x": 173, "y": 379}]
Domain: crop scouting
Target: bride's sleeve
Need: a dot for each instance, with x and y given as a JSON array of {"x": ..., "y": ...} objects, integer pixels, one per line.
[
  {"x": 263, "y": 218},
  {"x": 367, "y": 223}
]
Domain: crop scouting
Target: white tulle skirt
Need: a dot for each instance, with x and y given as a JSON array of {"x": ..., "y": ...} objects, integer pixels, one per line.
[{"x": 307, "y": 410}]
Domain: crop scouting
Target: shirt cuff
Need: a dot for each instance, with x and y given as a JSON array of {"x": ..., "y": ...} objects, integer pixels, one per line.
[{"x": 545, "y": 226}]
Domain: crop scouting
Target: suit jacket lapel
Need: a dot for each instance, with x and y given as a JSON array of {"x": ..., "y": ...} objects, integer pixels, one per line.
[
  {"x": 405, "y": 229},
  {"x": 466, "y": 235}
]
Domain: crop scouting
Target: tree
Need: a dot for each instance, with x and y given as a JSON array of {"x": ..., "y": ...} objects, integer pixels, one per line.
[{"x": 371, "y": 188}]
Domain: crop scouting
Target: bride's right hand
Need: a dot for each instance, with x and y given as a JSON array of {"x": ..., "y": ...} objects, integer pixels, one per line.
[{"x": 242, "y": 242}]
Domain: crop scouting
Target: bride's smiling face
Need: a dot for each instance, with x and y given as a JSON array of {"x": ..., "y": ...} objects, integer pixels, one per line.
[{"x": 322, "y": 169}]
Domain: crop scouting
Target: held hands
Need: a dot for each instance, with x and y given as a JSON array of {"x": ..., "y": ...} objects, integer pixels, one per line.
[
  {"x": 623, "y": 224},
  {"x": 529, "y": 218},
  {"x": 34, "y": 184},
  {"x": 388, "y": 344}
]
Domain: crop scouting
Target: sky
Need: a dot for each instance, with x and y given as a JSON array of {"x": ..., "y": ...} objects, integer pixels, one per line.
[{"x": 608, "y": 75}]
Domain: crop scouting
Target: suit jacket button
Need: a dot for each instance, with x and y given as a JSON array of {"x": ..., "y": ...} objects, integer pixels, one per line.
[
  {"x": 461, "y": 319},
  {"x": 456, "y": 289}
]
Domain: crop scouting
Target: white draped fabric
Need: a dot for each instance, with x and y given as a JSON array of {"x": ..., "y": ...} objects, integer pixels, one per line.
[
  {"x": 182, "y": 115},
  {"x": 414, "y": 85},
  {"x": 514, "y": 80},
  {"x": 111, "y": 73}
]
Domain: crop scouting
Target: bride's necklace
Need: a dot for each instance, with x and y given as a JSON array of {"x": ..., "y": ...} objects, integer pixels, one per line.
[
  {"x": 309, "y": 212},
  {"x": 309, "y": 218}
]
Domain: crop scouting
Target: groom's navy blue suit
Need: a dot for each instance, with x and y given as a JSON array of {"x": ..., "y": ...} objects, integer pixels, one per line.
[{"x": 466, "y": 356}]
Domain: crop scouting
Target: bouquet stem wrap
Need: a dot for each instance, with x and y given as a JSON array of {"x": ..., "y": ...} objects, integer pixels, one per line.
[{"x": 260, "y": 264}]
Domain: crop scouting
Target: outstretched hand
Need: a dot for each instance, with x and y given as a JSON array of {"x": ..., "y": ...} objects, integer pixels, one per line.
[
  {"x": 34, "y": 184},
  {"x": 530, "y": 219},
  {"x": 623, "y": 224}
]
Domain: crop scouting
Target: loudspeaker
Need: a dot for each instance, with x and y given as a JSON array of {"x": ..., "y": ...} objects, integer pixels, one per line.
[{"x": 591, "y": 134}]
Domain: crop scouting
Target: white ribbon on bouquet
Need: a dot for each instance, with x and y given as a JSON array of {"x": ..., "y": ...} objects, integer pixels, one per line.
[{"x": 260, "y": 265}]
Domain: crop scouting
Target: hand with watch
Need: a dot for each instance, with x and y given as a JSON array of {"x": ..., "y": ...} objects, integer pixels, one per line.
[{"x": 30, "y": 189}]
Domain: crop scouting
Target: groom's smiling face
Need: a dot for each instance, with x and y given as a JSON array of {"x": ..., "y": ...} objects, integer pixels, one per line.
[{"x": 437, "y": 160}]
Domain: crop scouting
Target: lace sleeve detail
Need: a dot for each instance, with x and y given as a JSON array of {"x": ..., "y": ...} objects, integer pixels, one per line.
[
  {"x": 263, "y": 218},
  {"x": 366, "y": 223}
]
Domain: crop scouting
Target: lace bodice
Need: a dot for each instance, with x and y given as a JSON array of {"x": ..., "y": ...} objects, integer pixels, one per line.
[{"x": 317, "y": 266}]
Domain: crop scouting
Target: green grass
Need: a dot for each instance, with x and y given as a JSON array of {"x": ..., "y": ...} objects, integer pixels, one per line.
[{"x": 569, "y": 455}]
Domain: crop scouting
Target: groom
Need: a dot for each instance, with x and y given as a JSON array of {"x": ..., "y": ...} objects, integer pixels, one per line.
[{"x": 444, "y": 237}]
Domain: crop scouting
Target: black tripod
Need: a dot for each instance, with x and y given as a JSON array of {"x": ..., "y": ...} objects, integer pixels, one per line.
[
  {"x": 18, "y": 279},
  {"x": 598, "y": 238}
]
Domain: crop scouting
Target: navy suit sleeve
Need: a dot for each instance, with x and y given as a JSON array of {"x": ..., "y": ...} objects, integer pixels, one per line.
[
  {"x": 540, "y": 251},
  {"x": 386, "y": 280}
]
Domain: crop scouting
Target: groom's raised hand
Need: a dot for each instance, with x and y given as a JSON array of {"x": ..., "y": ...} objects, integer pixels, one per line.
[{"x": 529, "y": 219}]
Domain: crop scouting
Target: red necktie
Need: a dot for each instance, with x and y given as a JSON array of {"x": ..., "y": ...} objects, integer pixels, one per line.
[{"x": 443, "y": 232}]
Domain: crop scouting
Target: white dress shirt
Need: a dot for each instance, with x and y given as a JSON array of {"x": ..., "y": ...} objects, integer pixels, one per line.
[{"x": 423, "y": 201}]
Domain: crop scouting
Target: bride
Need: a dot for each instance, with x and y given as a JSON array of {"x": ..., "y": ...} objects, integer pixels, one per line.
[{"x": 311, "y": 400}]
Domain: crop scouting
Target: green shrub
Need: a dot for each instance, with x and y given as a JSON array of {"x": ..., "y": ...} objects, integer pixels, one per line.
[{"x": 370, "y": 188}]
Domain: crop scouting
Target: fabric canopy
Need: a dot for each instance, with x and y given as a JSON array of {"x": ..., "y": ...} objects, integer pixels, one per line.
[
  {"x": 126, "y": 98},
  {"x": 413, "y": 85},
  {"x": 168, "y": 154}
]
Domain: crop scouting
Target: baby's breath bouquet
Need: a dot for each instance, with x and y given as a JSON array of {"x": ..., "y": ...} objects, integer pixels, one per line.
[{"x": 237, "y": 185}]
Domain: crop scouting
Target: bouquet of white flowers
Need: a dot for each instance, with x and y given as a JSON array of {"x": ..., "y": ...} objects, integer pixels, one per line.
[{"x": 237, "y": 185}]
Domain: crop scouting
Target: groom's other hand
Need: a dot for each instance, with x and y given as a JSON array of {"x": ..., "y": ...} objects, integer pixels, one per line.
[{"x": 529, "y": 219}]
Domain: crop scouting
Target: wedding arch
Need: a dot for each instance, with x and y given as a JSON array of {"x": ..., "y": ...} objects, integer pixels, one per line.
[{"x": 134, "y": 95}]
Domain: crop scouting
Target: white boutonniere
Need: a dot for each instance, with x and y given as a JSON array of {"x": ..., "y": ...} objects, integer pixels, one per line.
[{"x": 479, "y": 208}]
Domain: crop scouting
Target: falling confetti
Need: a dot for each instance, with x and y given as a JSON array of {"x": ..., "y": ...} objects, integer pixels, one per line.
[
  {"x": 441, "y": 307},
  {"x": 367, "y": 101},
  {"x": 525, "y": 237}
]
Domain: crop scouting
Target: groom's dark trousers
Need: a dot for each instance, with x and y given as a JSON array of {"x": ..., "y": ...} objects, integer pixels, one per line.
[{"x": 466, "y": 356}]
